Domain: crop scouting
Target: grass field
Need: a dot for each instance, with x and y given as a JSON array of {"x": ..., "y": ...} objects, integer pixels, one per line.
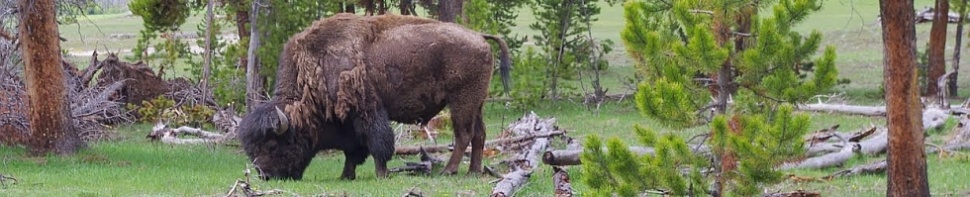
[{"x": 133, "y": 166}]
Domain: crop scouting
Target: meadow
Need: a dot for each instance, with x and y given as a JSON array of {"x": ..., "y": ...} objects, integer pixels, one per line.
[{"x": 131, "y": 165}]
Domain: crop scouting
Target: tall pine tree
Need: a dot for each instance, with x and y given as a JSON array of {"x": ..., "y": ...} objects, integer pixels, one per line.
[{"x": 689, "y": 51}]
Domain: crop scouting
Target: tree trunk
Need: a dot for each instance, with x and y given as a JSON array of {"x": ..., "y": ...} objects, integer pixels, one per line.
[
  {"x": 937, "y": 50},
  {"x": 50, "y": 126},
  {"x": 448, "y": 10},
  {"x": 253, "y": 82},
  {"x": 242, "y": 19},
  {"x": 906, "y": 159},
  {"x": 204, "y": 82},
  {"x": 951, "y": 83}
]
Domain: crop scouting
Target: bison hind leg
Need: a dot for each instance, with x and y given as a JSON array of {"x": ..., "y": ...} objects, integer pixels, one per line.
[
  {"x": 353, "y": 159},
  {"x": 379, "y": 137}
]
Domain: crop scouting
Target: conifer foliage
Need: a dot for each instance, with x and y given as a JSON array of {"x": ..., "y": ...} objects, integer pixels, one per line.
[{"x": 690, "y": 51}]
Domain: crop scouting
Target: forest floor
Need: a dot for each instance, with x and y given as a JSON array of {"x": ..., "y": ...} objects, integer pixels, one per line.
[{"x": 131, "y": 165}]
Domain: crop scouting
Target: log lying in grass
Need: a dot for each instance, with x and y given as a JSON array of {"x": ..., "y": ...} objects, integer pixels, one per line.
[
  {"x": 870, "y": 168},
  {"x": 571, "y": 157},
  {"x": 827, "y": 160},
  {"x": 560, "y": 181},
  {"x": 797, "y": 193},
  {"x": 413, "y": 150},
  {"x": 525, "y": 161},
  {"x": 846, "y": 109},
  {"x": 932, "y": 117},
  {"x": 171, "y": 136}
]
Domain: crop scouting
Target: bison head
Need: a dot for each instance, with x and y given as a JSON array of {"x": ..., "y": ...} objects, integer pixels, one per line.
[{"x": 278, "y": 150}]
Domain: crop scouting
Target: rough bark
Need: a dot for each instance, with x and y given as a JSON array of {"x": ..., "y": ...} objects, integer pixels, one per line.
[
  {"x": 560, "y": 181},
  {"x": 571, "y": 157},
  {"x": 51, "y": 128},
  {"x": 204, "y": 82},
  {"x": 906, "y": 160},
  {"x": 253, "y": 85},
  {"x": 951, "y": 82},
  {"x": 242, "y": 19},
  {"x": 937, "y": 48}
]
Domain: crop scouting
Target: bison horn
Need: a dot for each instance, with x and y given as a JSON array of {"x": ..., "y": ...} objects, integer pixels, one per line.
[{"x": 284, "y": 122}]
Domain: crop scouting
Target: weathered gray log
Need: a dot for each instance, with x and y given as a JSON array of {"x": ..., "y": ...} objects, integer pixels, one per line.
[
  {"x": 524, "y": 162},
  {"x": 796, "y": 193},
  {"x": 827, "y": 160},
  {"x": 870, "y": 168}
]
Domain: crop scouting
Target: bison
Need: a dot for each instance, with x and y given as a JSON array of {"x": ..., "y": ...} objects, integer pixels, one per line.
[{"x": 341, "y": 81}]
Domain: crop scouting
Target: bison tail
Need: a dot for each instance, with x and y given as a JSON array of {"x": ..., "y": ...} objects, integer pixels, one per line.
[{"x": 505, "y": 63}]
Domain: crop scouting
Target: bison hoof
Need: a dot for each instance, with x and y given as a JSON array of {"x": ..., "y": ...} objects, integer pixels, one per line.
[
  {"x": 348, "y": 177},
  {"x": 449, "y": 172}
]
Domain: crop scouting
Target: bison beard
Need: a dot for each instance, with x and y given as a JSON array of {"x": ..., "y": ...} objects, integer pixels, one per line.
[{"x": 341, "y": 81}]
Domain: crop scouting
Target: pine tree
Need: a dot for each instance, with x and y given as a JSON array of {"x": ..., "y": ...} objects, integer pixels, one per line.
[{"x": 689, "y": 51}]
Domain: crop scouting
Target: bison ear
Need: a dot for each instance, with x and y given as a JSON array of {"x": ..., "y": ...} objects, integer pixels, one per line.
[{"x": 284, "y": 122}]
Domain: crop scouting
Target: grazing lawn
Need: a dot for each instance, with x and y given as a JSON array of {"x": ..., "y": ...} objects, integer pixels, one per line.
[{"x": 131, "y": 165}]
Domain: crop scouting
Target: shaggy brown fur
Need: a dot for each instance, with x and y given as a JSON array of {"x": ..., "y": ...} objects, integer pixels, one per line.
[{"x": 347, "y": 76}]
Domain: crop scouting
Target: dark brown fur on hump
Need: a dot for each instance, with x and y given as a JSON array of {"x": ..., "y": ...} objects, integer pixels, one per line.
[
  {"x": 427, "y": 63},
  {"x": 324, "y": 66}
]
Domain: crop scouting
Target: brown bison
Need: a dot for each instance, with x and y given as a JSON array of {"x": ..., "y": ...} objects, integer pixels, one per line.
[{"x": 342, "y": 81}]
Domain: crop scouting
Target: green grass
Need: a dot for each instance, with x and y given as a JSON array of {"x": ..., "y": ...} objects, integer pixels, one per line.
[{"x": 133, "y": 166}]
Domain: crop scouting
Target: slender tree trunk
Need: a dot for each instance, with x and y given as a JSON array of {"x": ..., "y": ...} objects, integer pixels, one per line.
[
  {"x": 907, "y": 162},
  {"x": 204, "y": 83},
  {"x": 51, "y": 128},
  {"x": 242, "y": 19},
  {"x": 951, "y": 82},
  {"x": 937, "y": 50},
  {"x": 448, "y": 10},
  {"x": 253, "y": 81}
]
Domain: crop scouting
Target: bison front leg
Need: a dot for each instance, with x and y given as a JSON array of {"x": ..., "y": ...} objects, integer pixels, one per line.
[
  {"x": 353, "y": 159},
  {"x": 379, "y": 136}
]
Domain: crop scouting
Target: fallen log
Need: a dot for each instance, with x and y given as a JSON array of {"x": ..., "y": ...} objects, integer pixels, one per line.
[
  {"x": 796, "y": 193},
  {"x": 870, "y": 168},
  {"x": 560, "y": 181},
  {"x": 171, "y": 136},
  {"x": 571, "y": 157},
  {"x": 824, "y": 161},
  {"x": 932, "y": 117},
  {"x": 524, "y": 162},
  {"x": 413, "y": 150}
]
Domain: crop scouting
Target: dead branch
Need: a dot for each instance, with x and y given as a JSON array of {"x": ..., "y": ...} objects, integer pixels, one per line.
[
  {"x": 877, "y": 144},
  {"x": 827, "y": 160},
  {"x": 413, "y": 192},
  {"x": 91, "y": 69},
  {"x": 424, "y": 167},
  {"x": 796, "y": 193},
  {"x": 5, "y": 178},
  {"x": 870, "y": 168},
  {"x": 171, "y": 136},
  {"x": 560, "y": 181}
]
